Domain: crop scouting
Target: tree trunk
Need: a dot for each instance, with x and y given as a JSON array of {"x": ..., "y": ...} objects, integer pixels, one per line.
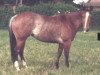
[
  {"x": 14, "y": 9},
  {"x": 57, "y": 1},
  {"x": 21, "y": 2},
  {"x": 16, "y": 2}
]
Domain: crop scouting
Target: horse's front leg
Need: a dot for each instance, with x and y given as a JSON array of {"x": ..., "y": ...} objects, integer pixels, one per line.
[
  {"x": 67, "y": 45},
  {"x": 19, "y": 50},
  {"x": 60, "y": 49}
]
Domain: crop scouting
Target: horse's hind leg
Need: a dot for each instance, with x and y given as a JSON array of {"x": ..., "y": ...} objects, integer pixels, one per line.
[
  {"x": 15, "y": 59},
  {"x": 19, "y": 50},
  {"x": 21, "y": 53},
  {"x": 60, "y": 49},
  {"x": 16, "y": 52}
]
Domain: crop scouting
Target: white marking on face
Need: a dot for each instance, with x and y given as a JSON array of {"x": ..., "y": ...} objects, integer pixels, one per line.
[
  {"x": 37, "y": 29},
  {"x": 24, "y": 64},
  {"x": 86, "y": 19},
  {"x": 16, "y": 65}
]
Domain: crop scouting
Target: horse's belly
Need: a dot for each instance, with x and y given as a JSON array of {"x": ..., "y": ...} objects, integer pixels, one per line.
[
  {"x": 45, "y": 35},
  {"x": 48, "y": 38},
  {"x": 45, "y": 38}
]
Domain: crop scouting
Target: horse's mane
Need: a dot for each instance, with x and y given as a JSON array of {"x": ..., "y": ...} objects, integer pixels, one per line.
[{"x": 67, "y": 13}]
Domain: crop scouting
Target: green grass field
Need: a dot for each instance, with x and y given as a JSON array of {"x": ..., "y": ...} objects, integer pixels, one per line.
[{"x": 84, "y": 56}]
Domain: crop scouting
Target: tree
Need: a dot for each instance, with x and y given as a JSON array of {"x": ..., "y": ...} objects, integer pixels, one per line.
[{"x": 57, "y": 1}]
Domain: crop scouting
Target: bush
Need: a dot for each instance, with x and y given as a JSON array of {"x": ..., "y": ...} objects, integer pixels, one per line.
[
  {"x": 5, "y": 15},
  {"x": 45, "y": 9},
  {"x": 96, "y": 18}
]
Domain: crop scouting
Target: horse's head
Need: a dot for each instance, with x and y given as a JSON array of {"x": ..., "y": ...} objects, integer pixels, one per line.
[
  {"x": 86, "y": 21},
  {"x": 86, "y": 18},
  {"x": 86, "y": 12}
]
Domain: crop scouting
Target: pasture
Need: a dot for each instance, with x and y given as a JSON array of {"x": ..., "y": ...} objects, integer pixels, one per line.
[{"x": 84, "y": 56}]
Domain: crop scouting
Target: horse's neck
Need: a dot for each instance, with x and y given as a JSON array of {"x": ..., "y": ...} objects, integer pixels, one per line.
[{"x": 76, "y": 20}]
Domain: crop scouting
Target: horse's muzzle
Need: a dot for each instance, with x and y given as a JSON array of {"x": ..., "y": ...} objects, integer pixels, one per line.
[{"x": 85, "y": 31}]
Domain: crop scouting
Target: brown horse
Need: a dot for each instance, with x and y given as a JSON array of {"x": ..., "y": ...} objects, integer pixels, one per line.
[{"x": 59, "y": 29}]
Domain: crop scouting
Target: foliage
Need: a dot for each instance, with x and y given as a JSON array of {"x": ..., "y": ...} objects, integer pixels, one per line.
[
  {"x": 32, "y": 2},
  {"x": 45, "y": 9},
  {"x": 5, "y": 15},
  {"x": 42, "y": 8},
  {"x": 7, "y": 1},
  {"x": 96, "y": 18}
]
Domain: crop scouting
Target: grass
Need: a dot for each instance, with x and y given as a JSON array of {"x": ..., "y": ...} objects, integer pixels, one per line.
[{"x": 84, "y": 56}]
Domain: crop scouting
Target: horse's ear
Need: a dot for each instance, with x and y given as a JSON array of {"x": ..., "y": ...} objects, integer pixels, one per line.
[{"x": 83, "y": 8}]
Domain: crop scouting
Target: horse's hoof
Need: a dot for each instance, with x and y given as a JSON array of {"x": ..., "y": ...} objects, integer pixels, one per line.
[
  {"x": 24, "y": 64},
  {"x": 26, "y": 67},
  {"x": 56, "y": 67},
  {"x": 17, "y": 69},
  {"x": 67, "y": 64}
]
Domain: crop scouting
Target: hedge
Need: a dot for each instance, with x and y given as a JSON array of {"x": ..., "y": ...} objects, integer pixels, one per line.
[
  {"x": 5, "y": 15},
  {"x": 96, "y": 18},
  {"x": 32, "y": 2},
  {"x": 45, "y": 9}
]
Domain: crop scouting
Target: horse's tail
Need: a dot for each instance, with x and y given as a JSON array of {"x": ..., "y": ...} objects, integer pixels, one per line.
[{"x": 12, "y": 38}]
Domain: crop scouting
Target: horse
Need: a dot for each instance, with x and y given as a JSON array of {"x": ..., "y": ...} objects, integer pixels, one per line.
[{"x": 60, "y": 29}]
